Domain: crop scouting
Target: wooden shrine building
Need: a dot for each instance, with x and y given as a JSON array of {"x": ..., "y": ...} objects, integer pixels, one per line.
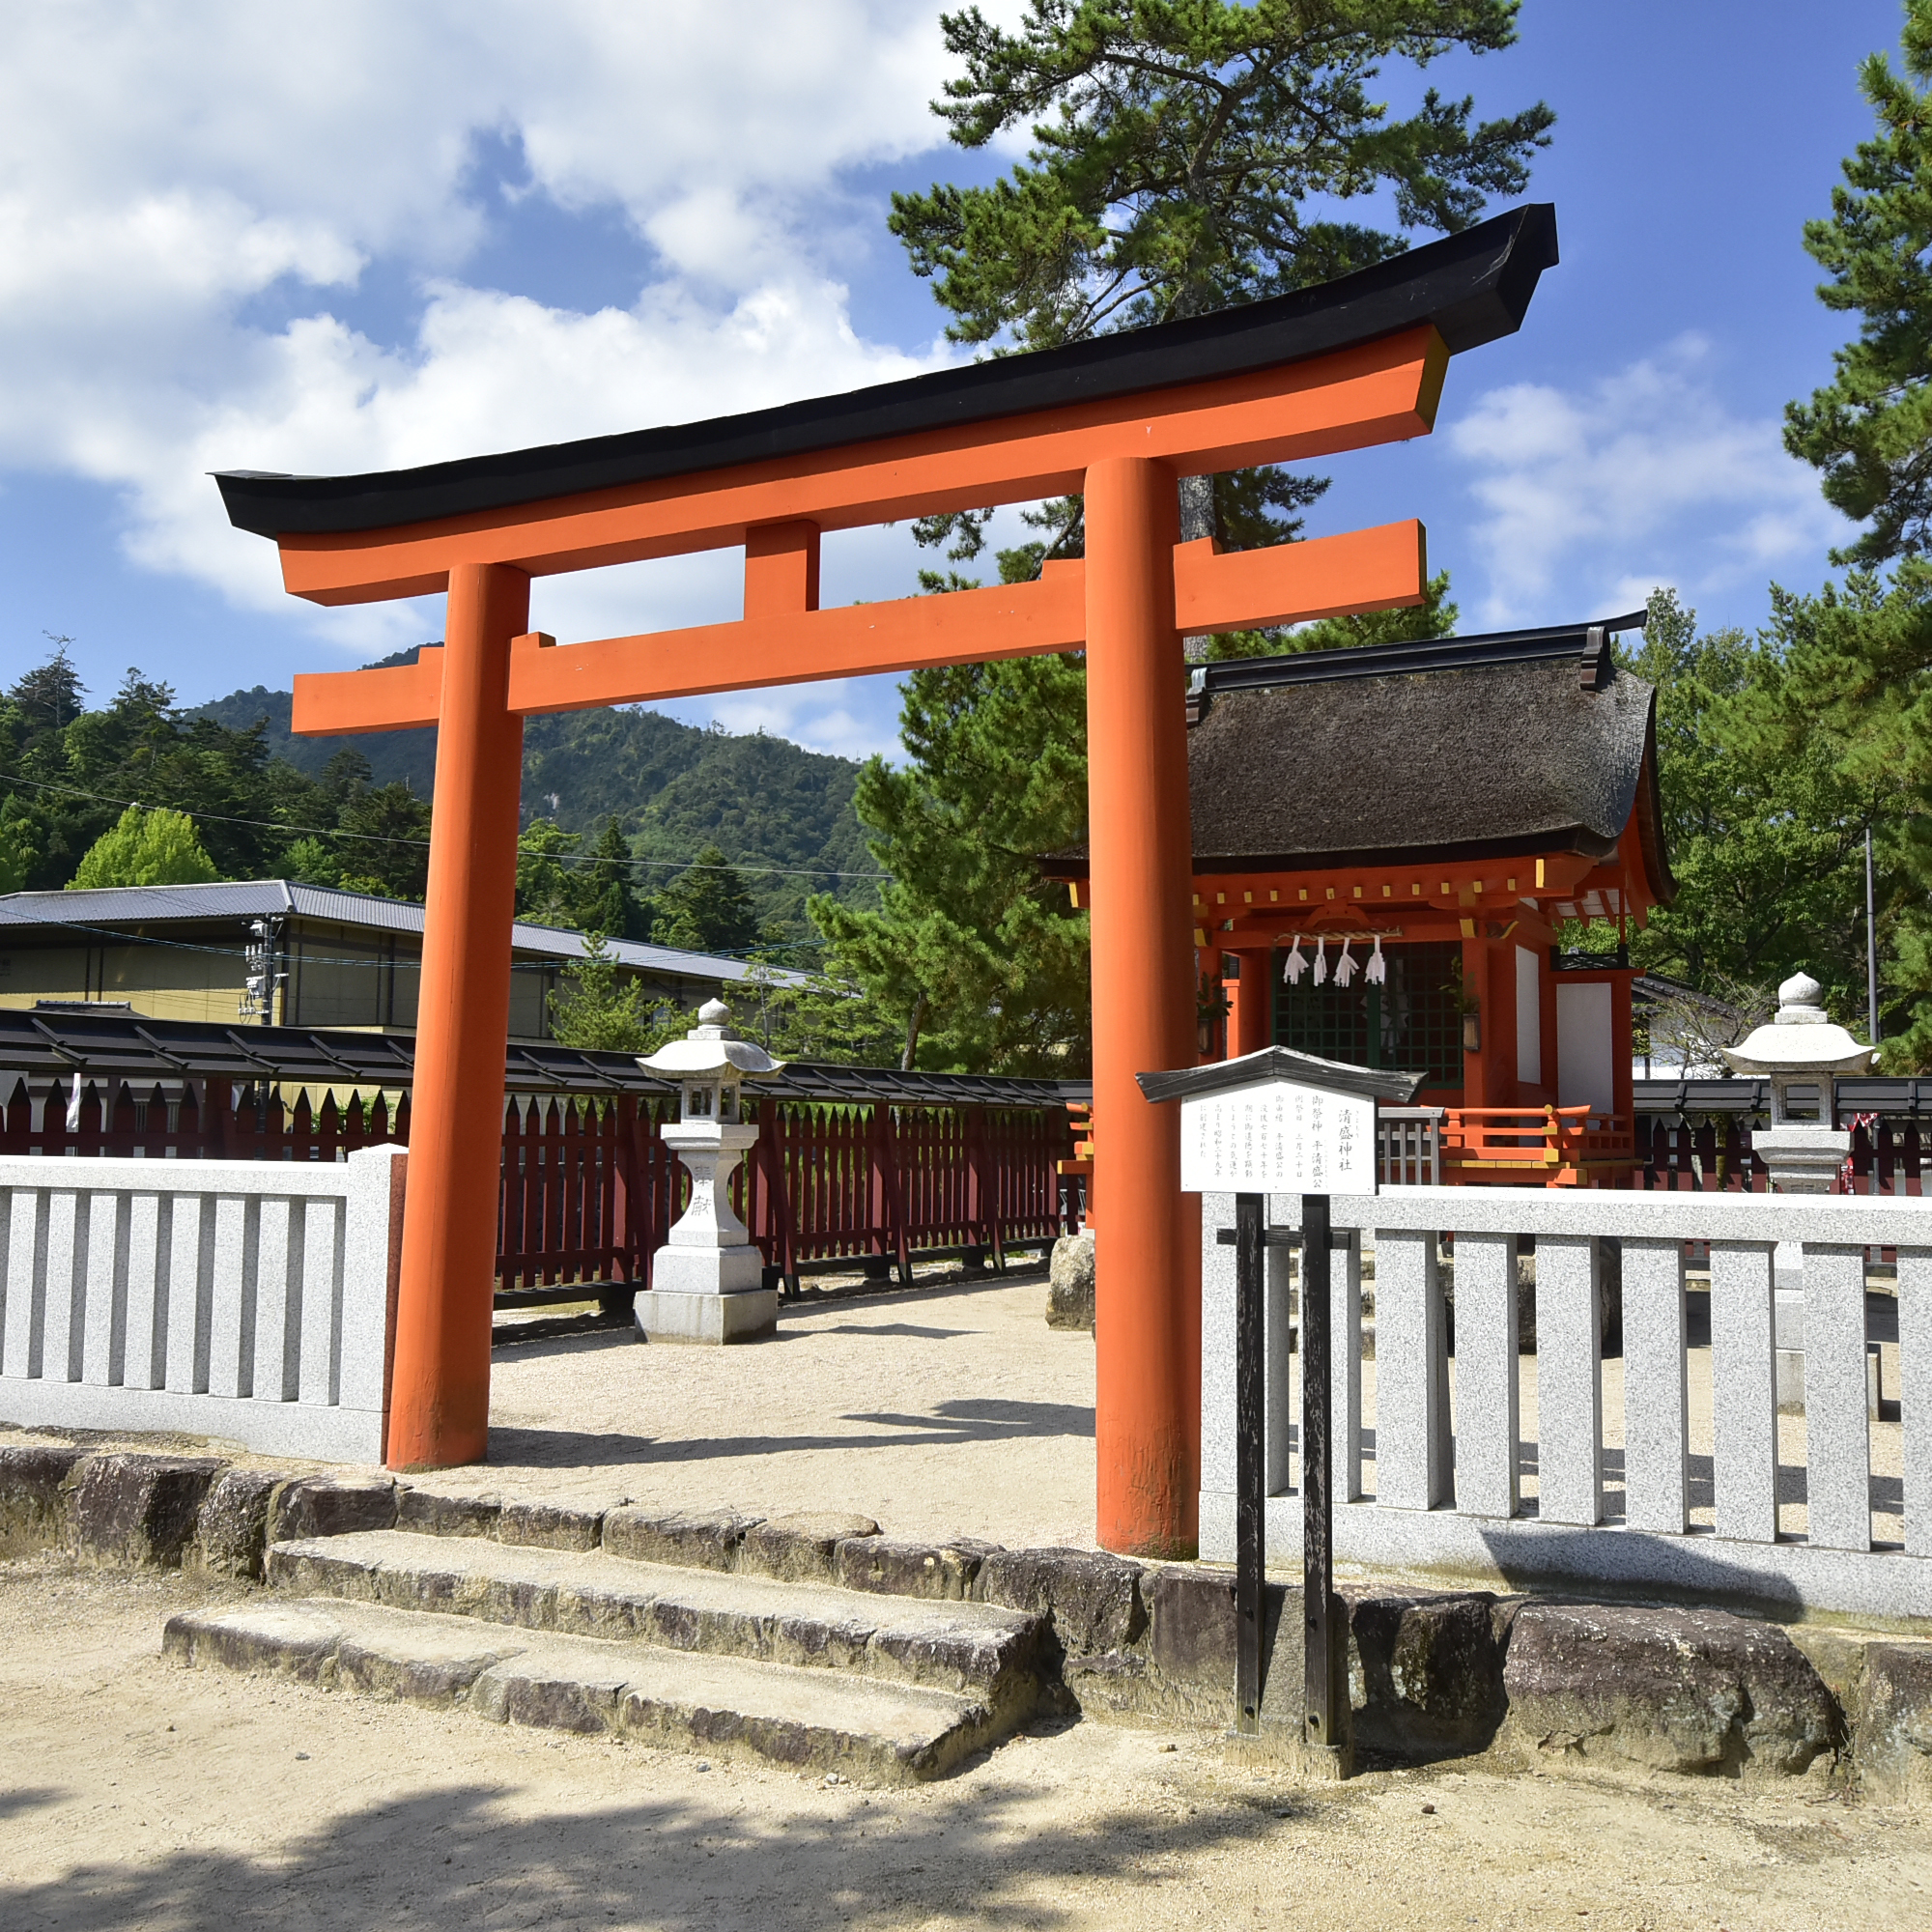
[{"x": 1387, "y": 844}]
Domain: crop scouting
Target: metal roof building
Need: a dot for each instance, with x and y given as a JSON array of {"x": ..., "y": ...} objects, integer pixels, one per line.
[{"x": 339, "y": 958}]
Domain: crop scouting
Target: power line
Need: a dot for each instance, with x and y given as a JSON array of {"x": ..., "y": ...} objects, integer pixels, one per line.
[{"x": 397, "y": 838}]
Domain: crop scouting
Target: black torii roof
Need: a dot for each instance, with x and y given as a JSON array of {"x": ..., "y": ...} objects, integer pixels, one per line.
[{"x": 1475, "y": 287}]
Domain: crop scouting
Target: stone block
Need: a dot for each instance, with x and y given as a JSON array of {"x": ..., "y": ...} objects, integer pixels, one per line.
[
  {"x": 1695, "y": 1692},
  {"x": 232, "y": 1530},
  {"x": 1069, "y": 1283},
  {"x": 1425, "y": 1674},
  {"x": 421, "y": 1671},
  {"x": 896, "y": 1568},
  {"x": 424, "y": 1512},
  {"x": 668, "y": 1314},
  {"x": 551, "y": 1525},
  {"x": 1094, "y": 1598},
  {"x": 801, "y": 1548},
  {"x": 289, "y": 1640},
  {"x": 1190, "y": 1649},
  {"x": 1893, "y": 1723},
  {"x": 697, "y": 1539},
  {"x": 520, "y": 1692},
  {"x": 34, "y": 1489},
  {"x": 138, "y": 1510},
  {"x": 333, "y": 1506}
]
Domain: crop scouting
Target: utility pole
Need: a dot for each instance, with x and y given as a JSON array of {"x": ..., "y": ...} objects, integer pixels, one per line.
[{"x": 1871, "y": 946}]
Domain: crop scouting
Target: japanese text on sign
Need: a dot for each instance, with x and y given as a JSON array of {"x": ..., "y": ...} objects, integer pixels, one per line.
[{"x": 1277, "y": 1137}]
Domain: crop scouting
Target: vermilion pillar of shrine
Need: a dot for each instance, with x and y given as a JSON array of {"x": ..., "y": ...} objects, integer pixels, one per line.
[
  {"x": 1147, "y": 1327},
  {"x": 1251, "y": 1002},
  {"x": 440, "y": 1386}
]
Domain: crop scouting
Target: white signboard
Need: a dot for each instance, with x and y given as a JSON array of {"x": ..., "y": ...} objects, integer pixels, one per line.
[{"x": 1278, "y": 1138}]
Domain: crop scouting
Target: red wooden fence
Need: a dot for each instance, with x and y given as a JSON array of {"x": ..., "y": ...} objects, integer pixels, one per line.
[{"x": 587, "y": 1188}]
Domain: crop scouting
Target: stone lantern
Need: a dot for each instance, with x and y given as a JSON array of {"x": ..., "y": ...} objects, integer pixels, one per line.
[
  {"x": 1801, "y": 1047},
  {"x": 707, "y": 1281}
]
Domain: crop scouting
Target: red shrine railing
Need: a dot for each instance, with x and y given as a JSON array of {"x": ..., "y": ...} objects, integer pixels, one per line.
[
  {"x": 588, "y": 1189},
  {"x": 1564, "y": 1146}
]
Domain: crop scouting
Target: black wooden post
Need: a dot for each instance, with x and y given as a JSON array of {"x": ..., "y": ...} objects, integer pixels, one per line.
[
  {"x": 1325, "y": 1644},
  {"x": 1250, "y": 1462}
]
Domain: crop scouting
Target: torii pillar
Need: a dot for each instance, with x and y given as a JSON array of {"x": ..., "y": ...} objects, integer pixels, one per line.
[
  {"x": 1147, "y": 1250},
  {"x": 440, "y": 1380}
]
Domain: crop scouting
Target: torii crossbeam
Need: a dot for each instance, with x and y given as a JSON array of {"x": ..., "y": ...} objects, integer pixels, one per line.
[{"x": 1120, "y": 419}]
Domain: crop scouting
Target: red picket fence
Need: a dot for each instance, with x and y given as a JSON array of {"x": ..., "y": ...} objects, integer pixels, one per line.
[{"x": 588, "y": 1189}]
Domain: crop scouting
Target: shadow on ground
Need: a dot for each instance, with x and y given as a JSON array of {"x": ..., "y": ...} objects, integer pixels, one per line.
[
  {"x": 456, "y": 1857},
  {"x": 967, "y": 1420}
]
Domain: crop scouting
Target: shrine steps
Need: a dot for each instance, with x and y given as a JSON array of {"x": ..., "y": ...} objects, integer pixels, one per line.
[{"x": 881, "y": 1688}]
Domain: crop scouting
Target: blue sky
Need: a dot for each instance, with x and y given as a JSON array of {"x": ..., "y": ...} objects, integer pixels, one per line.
[{"x": 349, "y": 236}]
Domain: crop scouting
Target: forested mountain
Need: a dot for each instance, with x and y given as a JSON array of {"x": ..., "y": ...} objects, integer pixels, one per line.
[
  {"x": 632, "y": 823},
  {"x": 674, "y": 789}
]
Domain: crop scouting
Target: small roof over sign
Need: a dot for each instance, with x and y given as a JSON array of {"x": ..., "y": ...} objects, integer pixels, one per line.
[{"x": 1282, "y": 1063}]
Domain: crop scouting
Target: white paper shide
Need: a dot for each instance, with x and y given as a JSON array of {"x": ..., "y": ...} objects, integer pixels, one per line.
[{"x": 1277, "y": 1137}]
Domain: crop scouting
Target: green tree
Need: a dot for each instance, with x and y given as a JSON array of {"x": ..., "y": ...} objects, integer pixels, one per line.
[
  {"x": 706, "y": 908},
  {"x": 603, "y": 1007},
  {"x": 545, "y": 892},
  {"x": 315, "y": 862},
  {"x": 817, "y": 1016},
  {"x": 980, "y": 962},
  {"x": 1178, "y": 149},
  {"x": 1765, "y": 832},
  {"x": 146, "y": 848},
  {"x": 1854, "y": 676},
  {"x": 49, "y": 695},
  {"x": 17, "y": 853},
  {"x": 1869, "y": 431},
  {"x": 384, "y": 841},
  {"x": 605, "y": 900},
  {"x": 1434, "y": 617}
]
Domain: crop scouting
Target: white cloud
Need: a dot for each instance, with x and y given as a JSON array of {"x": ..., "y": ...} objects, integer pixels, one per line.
[
  {"x": 1643, "y": 479},
  {"x": 162, "y": 168}
]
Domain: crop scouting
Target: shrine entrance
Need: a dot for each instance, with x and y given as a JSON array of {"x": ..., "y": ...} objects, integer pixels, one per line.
[{"x": 1119, "y": 419}]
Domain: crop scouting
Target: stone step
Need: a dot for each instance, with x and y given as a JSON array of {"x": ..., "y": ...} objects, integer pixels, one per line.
[
  {"x": 815, "y": 1720},
  {"x": 974, "y": 1650}
]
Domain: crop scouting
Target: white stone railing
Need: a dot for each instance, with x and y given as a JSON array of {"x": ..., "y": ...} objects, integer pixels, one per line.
[
  {"x": 246, "y": 1301},
  {"x": 1668, "y": 1469}
]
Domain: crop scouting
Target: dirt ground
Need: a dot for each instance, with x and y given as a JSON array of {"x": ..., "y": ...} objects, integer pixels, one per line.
[
  {"x": 139, "y": 1795},
  {"x": 951, "y": 1409}
]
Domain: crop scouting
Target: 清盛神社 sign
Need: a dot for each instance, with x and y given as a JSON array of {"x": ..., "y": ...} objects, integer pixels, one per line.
[
  {"x": 1278, "y": 1138},
  {"x": 1278, "y": 1122}
]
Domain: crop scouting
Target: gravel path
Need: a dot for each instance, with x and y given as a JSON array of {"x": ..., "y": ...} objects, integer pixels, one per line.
[{"x": 947, "y": 1410}]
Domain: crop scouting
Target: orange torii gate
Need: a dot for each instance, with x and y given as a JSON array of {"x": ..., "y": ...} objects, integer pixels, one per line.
[{"x": 1118, "y": 419}]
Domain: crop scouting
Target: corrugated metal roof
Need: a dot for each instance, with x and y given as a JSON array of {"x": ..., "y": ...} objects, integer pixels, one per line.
[
  {"x": 260, "y": 898},
  {"x": 122, "y": 906}
]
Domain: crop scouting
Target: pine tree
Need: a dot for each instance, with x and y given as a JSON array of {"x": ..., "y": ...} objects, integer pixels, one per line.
[
  {"x": 385, "y": 848},
  {"x": 1854, "y": 672},
  {"x": 978, "y": 960},
  {"x": 602, "y": 1009},
  {"x": 1177, "y": 147},
  {"x": 49, "y": 696},
  {"x": 606, "y": 901},
  {"x": 1870, "y": 430},
  {"x": 706, "y": 908}
]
